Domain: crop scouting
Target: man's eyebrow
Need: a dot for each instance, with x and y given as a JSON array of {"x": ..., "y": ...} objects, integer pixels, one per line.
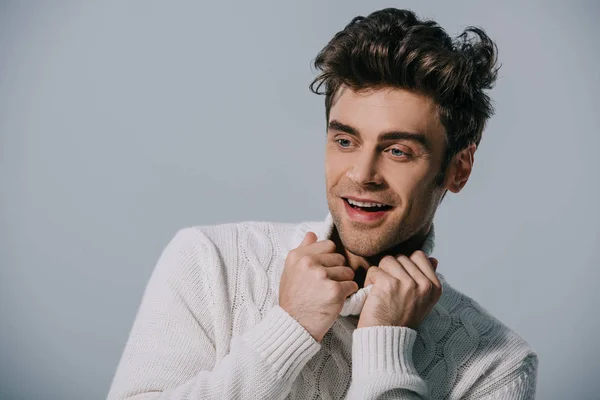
[{"x": 385, "y": 136}]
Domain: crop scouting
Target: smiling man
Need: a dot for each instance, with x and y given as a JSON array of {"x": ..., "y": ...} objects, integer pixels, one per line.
[
  {"x": 383, "y": 157},
  {"x": 352, "y": 306}
]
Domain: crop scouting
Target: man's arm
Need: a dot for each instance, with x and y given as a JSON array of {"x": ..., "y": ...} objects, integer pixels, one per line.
[
  {"x": 382, "y": 368},
  {"x": 518, "y": 384},
  {"x": 403, "y": 292},
  {"x": 170, "y": 353}
]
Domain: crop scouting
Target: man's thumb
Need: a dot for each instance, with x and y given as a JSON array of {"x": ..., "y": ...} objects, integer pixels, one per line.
[{"x": 309, "y": 238}]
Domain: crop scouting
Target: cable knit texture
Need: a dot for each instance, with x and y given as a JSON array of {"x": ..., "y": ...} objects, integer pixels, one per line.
[{"x": 209, "y": 327}]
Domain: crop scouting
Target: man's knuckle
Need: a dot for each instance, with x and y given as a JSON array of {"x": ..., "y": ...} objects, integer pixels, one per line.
[
  {"x": 349, "y": 272},
  {"x": 292, "y": 256},
  {"x": 329, "y": 244},
  {"x": 426, "y": 288},
  {"x": 320, "y": 273},
  {"x": 386, "y": 285},
  {"x": 387, "y": 260},
  {"x": 410, "y": 285},
  {"x": 334, "y": 290},
  {"x": 306, "y": 261},
  {"x": 417, "y": 254}
]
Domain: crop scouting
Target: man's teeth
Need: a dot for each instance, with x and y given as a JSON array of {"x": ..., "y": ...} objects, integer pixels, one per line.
[{"x": 361, "y": 204}]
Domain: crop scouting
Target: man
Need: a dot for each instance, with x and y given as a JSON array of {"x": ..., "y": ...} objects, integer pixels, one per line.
[{"x": 352, "y": 307}]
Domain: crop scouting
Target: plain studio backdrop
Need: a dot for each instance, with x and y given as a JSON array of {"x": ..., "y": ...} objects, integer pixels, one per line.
[{"x": 122, "y": 122}]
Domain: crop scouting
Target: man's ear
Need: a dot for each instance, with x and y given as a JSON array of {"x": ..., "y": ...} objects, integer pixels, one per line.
[{"x": 460, "y": 169}]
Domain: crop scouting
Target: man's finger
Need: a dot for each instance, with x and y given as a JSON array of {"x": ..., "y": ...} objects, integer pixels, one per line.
[
  {"x": 348, "y": 287},
  {"x": 393, "y": 267},
  {"x": 421, "y": 260},
  {"x": 310, "y": 245},
  {"x": 309, "y": 238},
  {"x": 331, "y": 260},
  {"x": 373, "y": 275},
  {"x": 414, "y": 271},
  {"x": 340, "y": 273},
  {"x": 434, "y": 263}
]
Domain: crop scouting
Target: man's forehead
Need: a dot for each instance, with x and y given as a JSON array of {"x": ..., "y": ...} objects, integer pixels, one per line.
[{"x": 386, "y": 109}]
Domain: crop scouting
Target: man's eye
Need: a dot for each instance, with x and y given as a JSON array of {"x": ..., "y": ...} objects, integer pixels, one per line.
[
  {"x": 399, "y": 152},
  {"x": 343, "y": 140}
]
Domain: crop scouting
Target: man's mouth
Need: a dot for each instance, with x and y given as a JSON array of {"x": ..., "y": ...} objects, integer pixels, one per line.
[{"x": 367, "y": 207}]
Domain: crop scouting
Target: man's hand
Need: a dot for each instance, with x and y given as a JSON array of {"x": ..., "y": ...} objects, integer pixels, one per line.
[
  {"x": 314, "y": 284},
  {"x": 404, "y": 291}
]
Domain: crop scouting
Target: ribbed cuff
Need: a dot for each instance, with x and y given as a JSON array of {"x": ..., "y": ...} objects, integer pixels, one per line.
[
  {"x": 380, "y": 350},
  {"x": 283, "y": 342}
]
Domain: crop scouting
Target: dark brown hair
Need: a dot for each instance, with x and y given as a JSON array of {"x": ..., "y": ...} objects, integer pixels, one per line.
[{"x": 393, "y": 48}]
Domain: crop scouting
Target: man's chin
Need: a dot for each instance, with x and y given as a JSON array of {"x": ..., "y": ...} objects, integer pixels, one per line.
[{"x": 362, "y": 247}]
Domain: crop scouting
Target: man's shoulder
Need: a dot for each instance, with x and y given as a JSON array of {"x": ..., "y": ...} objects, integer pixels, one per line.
[
  {"x": 501, "y": 349},
  {"x": 252, "y": 235}
]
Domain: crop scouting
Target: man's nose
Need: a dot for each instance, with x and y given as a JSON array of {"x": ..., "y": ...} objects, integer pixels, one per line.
[{"x": 365, "y": 170}]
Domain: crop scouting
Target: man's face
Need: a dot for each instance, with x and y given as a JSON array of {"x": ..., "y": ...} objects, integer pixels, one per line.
[{"x": 398, "y": 169}]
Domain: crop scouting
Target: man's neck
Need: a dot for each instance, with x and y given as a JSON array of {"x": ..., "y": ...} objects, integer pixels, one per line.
[{"x": 360, "y": 264}]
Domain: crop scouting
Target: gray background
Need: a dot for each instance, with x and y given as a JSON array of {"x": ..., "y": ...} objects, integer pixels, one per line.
[{"x": 121, "y": 122}]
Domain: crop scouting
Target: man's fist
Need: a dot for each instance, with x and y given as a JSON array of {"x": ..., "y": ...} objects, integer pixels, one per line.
[
  {"x": 314, "y": 284},
  {"x": 404, "y": 291}
]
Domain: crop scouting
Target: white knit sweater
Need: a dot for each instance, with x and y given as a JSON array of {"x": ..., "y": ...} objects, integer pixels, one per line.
[{"x": 210, "y": 327}]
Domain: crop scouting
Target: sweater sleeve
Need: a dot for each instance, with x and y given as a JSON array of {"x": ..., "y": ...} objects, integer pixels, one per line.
[
  {"x": 171, "y": 353},
  {"x": 382, "y": 368},
  {"x": 519, "y": 383},
  {"x": 382, "y": 364}
]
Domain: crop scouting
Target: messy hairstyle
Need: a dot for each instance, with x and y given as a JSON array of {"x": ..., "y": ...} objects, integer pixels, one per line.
[{"x": 393, "y": 48}]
